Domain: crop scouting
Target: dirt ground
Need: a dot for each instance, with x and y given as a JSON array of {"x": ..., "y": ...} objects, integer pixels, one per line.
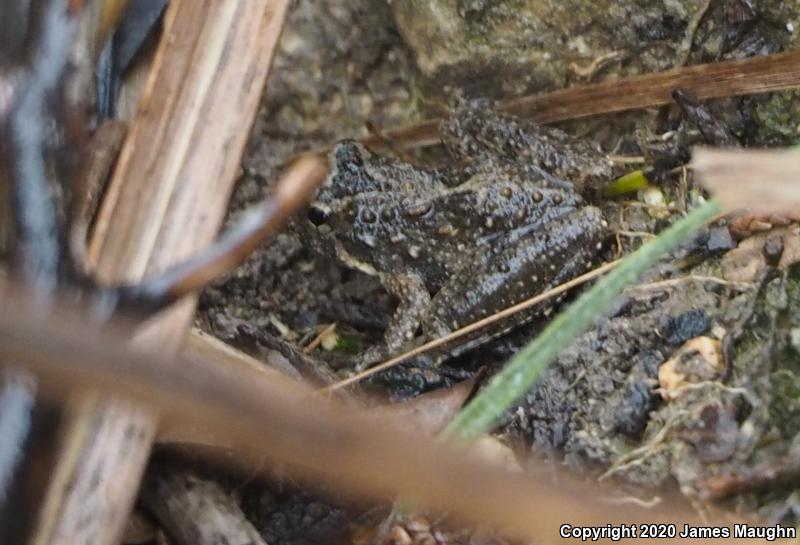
[{"x": 724, "y": 443}]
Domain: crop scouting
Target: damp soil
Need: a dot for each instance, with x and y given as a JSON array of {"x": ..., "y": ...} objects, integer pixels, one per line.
[{"x": 344, "y": 70}]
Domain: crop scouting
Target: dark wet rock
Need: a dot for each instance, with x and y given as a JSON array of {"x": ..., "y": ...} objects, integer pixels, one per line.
[
  {"x": 720, "y": 239},
  {"x": 679, "y": 329},
  {"x": 632, "y": 412}
]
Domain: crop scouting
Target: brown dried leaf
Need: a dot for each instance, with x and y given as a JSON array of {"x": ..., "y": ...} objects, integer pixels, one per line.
[
  {"x": 490, "y": 449},
  {"x": 756, "y": 180},
  {"x": 745, "y": 224},
  {"x": 428, "y": 413},
  {"x": 746, "y": 262}
]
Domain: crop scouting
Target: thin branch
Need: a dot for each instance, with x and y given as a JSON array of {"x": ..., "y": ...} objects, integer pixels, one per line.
[
  {"x": 194, "y": 510},
  {"x": 256, "y": 225},
  {"x": 748, "y": 76}
]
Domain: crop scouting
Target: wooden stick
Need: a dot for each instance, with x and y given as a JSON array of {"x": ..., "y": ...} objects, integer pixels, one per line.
[
  {"x": 165, "y": 202},
  {"x": 199, "y": 512},
  {"x": 723, "y": 79}
]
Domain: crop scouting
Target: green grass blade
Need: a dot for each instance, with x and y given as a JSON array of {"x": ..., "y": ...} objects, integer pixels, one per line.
[{"x": 516, "y": 378}]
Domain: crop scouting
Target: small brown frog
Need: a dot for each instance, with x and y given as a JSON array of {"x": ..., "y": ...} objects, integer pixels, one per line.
[{"x": 457, "y": 246}]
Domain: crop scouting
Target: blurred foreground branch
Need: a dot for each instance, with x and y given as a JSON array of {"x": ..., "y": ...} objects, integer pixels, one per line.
[{"x": 317, "y": 440}]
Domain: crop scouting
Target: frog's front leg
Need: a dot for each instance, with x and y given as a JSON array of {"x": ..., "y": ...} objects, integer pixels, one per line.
[{"x": 414, "y": 300}]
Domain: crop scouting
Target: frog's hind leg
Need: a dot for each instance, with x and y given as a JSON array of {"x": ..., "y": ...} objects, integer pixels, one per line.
[{"x": 414, "y": 300}]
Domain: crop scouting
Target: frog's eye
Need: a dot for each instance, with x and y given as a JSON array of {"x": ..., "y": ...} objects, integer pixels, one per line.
[{"x": 318, "y": 216}]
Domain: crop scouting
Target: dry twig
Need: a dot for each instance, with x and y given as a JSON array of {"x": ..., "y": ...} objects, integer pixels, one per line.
[
  {"x": 723, "y": 79},
  {"x": 197, "y": 511}
]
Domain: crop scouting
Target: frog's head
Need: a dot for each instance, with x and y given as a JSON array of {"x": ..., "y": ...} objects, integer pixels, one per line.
[
  {"x": 349, "y": 155},
  {"x": 349, "y": 174}
]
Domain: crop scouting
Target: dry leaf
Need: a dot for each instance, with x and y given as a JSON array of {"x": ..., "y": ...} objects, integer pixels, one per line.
[
  {"x": 428, "y": 413},
  {"x": 756, "y": 180},
  {"x": 698, "y": 360},
  {"x": 747, "y": 262},
  {"x": 490, "y": 449}
]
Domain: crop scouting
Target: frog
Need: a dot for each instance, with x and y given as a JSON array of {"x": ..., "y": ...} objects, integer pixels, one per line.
[{"x": 457, "y": 244}]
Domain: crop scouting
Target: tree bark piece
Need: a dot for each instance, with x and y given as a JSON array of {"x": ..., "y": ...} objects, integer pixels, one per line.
[
  {"x": 196, "y": 511},
  {"x": 166, "y": 200}
]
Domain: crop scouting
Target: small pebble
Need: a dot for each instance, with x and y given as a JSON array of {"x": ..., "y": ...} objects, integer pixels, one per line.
[
  {"x": 773, "y": 249},
  {"x": 720, "y": 239}
]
